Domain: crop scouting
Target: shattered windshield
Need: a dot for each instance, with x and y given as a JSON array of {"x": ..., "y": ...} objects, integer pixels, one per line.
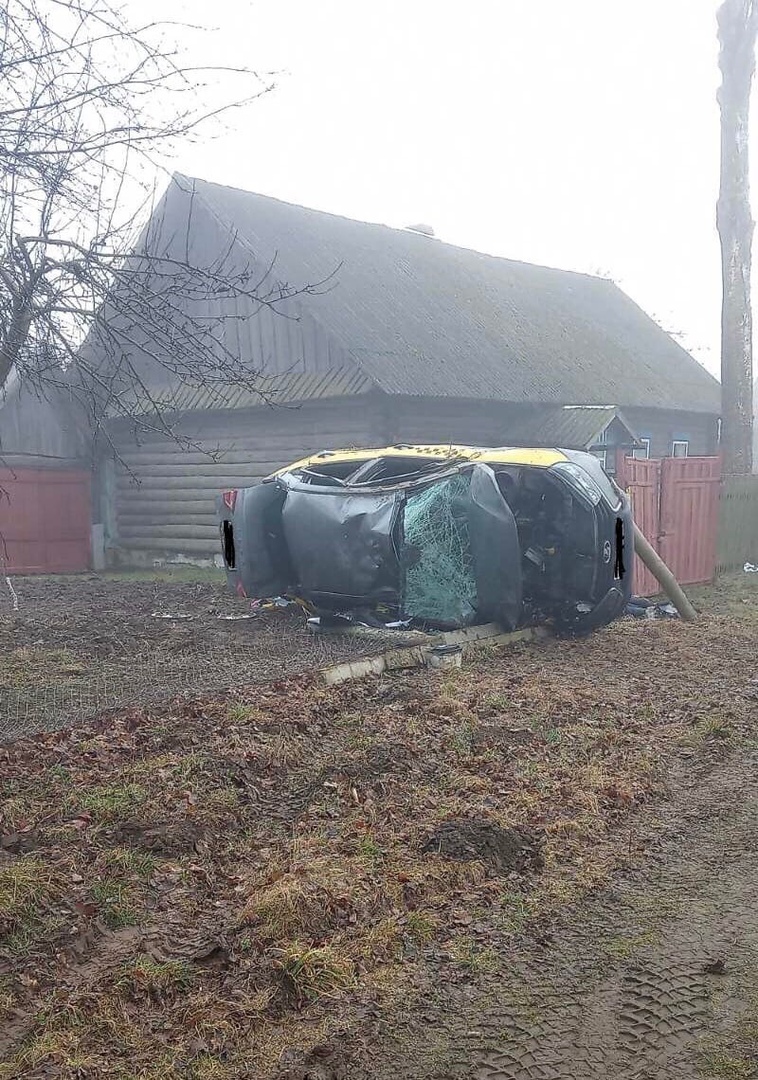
[{"x": 440, "y": 584}]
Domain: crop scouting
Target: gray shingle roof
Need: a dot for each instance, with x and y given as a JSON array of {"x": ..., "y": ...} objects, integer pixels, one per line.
[
  {"x": 422, "y": 317},
  {"x": 570, "y": 426},
  {"x": 273, "y": 390}
]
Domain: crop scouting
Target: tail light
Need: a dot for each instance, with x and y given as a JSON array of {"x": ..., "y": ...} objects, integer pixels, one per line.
[{"x": 229, "y": 499}]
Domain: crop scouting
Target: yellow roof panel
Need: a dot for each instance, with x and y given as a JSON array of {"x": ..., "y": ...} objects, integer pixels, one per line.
[{"x": 537, "y": 457}]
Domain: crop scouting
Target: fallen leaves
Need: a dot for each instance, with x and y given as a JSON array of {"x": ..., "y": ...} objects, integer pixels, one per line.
[{"x": 270, "y": 842}]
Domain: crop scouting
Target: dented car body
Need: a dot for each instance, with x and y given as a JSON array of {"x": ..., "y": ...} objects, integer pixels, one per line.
[{"x": 438, "y": 537}]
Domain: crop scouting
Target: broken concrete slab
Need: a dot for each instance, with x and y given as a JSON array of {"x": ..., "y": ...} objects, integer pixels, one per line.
[{"x": 419, "y": 656}]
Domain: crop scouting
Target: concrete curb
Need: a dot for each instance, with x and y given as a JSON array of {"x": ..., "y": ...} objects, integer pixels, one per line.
[{"x": 418, "y": 655}]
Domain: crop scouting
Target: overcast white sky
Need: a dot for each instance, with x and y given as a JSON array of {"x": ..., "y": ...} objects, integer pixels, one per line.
[{"x": 578, "y": 134}]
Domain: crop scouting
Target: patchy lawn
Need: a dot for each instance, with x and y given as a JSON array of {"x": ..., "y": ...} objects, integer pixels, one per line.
[
  {"x": 78, "y": 645},
  {"x": 281, "y": 880}
]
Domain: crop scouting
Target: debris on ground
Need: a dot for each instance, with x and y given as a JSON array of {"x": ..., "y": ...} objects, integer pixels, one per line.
[
  {"x": 639, "y": 607},
  {"x": 445, "y": 656},
  {"x": 13, "y": 593},
  {"x": 338, "y": 622}
]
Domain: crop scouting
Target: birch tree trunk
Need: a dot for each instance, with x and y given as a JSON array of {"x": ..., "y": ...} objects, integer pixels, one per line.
[{"x": 738, "y": 25}]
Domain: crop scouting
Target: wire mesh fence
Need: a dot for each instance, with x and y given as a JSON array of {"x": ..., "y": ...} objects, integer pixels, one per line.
[{"x": 51, "y": 698}]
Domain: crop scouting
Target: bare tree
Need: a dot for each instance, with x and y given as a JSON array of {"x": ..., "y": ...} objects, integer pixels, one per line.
[
  {"x": 90, "y": 105},
  {"x": 738, "y": 28}
]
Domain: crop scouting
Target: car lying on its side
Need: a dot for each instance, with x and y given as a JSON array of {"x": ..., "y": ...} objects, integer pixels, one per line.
[{"x": 437, "y": 537}]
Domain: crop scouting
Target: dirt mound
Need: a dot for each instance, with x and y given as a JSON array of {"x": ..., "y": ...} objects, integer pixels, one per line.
[{"x": 503, "y": 849}]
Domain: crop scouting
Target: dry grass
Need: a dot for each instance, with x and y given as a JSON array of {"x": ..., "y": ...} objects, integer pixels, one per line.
[
  {"x": 146, "y": 978},
  {"x": 310, "y": 973},
  {"x": 208, "y": 883},
  {"x": 28, "y": 666}
]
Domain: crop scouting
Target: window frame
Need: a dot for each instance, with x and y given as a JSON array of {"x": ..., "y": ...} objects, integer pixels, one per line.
[
  {"x": 680, "y": 442},
  {"x": 637, "y": 451}
]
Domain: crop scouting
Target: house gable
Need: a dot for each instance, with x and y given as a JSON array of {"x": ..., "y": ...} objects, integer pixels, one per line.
[{"x": 277, "y": 338}]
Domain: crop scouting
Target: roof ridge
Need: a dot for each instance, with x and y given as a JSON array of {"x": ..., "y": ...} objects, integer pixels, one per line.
[
  {"x": 431, "y": 318},
  {"x": 403, "y": 231}
]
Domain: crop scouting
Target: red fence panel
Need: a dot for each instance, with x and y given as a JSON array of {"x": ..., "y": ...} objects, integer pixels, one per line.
[
  {"x": 45, "y": 521},
  {"x": 641, "y": 481},
  {"x": 689, "y": 515}
]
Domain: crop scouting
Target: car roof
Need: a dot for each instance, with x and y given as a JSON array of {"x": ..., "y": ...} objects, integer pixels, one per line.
[{"x": 537, "y": 457}]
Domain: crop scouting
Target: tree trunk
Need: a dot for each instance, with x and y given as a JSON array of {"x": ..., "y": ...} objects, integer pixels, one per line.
[{"x": 738, "y": 25}]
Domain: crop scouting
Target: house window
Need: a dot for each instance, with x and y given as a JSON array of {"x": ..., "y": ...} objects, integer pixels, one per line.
[
  {"x": 680, "y": 448},
  {"x": 603, "y": 436},
  {"x": 602, "y": 456},
  {"x": 642, "y": 452}
]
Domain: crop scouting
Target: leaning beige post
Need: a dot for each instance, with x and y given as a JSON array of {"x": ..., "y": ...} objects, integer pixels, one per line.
[{"x": 663, "y": 576}]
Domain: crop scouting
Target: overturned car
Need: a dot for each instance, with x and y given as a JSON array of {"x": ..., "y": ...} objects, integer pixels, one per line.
[{"x": 437, "y": 537}]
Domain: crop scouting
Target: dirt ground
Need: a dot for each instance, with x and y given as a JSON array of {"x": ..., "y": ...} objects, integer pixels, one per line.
[
  {"x": 80, "y": 644},
  {"x": 540, "y": 866},
  {"x": 655, "y": 977}
]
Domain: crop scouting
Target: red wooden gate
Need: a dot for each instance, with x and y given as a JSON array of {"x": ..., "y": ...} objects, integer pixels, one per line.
[
  {"x": 45, "y": 521},
  {"x": 675, "y": 502},
  {"x": 689, "y": 514},
  {"x": 642, "y": 482}
]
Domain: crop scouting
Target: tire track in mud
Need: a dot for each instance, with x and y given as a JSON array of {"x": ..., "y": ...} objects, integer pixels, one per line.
[{"x": 629, "y": 990}]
